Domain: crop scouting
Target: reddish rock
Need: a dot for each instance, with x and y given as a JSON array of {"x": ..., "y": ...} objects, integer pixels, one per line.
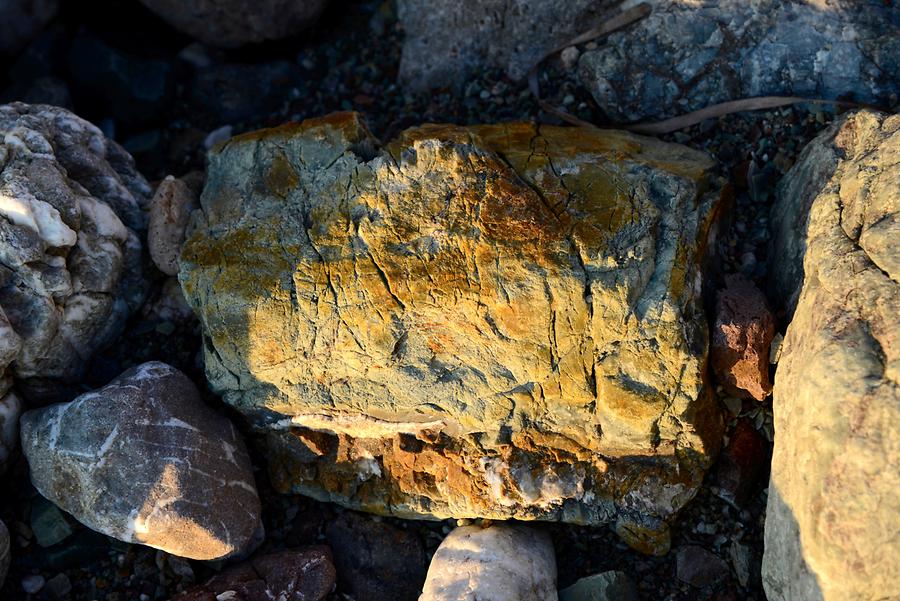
[
  {"x": 742, "y": 466},
  {"x": 742, "y": 334},
  {"x": 304, "y": 574}
]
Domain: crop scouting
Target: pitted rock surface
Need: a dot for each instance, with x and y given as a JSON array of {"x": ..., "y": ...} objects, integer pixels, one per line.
[
  {"x": 231, "y": 23},
  {"x": 688, "y": 54},
  {"x": 145, "y": 461},
  {"x": 496, "y": 320},
  {"x": 833, "y": 512},
  {"x": 71, "y": 203}
]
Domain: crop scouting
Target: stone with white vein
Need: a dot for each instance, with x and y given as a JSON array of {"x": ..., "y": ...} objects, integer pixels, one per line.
[{"x": 144, "y": 460}]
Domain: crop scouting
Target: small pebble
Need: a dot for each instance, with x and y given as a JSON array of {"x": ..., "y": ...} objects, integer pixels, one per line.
[{"x": 32, "y": 583}]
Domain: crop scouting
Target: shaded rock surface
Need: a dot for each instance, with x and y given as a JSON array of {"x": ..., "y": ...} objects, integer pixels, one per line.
[
  {"x": 687, "y": 55},
  {"x": 742, "y": 334},
  {"x": 21, "y": 20},
  {"x": 10, "y": 410},
  {"x": 4, "y": 552},
  {"x": 606, "y": 586},
  {"x": 833, "y": 512},
  {"x": 304, "y": 574},
  {"x": 170, "y": 211},
  {"x": 376, "y": 561},
  {"x": 743, "y": 464},
  {"x": 499, "y": 563},
  {"x": 230, "y": 23},
  {"x": 448, "y": 41},
  {"x": 698, "y": 567},
  {"x": 71, "y": 203},
  {"x": 145, "y": 461},
  {"x": 497, "y": 321}
]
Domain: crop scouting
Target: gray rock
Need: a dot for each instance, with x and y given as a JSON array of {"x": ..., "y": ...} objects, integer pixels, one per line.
[
  {"x": 71, "y": 204},
  {"x": 230, "y": 23},
  {"x": 698, "y": 567},
  {"x": 145, "y": 461},
  {"x": 606, "y": 586},
  {"x": 685, "y": 56},
  {"x": 170, "y": 211},
  {"x": 48, "y": 523},
  {"x": 446, "y": 42},
  {"x": 4, "y": 552},
  {"x": 10, "y": 411},
  {"x": 833, "y": 512},
  {"x": 21, "y": 20},
  {"x": 499, "y": 563}
]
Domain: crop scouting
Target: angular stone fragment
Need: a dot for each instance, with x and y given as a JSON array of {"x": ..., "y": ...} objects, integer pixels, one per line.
[
  {"x": 170, "y": 211},
  {"x": 689, "y": 54},
  {"x": 71, "y": 203},
  {"x": 606, "y": 586},
  {"x": 834, "y": 513},
  {"x": 699, "y": 567},
  {"x": 231, "y": 23},
  {"x": 497, "y": 320},
  {"x": 145, "y": 461},
  {"x": 499, "y": 563},
  {"x": 742, "y": 334},
  {"x": 304, "y": 574}
]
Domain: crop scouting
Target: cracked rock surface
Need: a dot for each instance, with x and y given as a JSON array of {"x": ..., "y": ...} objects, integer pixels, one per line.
[
  {"x": 833, "y": 512},
  {"x": 487, "y": 321},
  {"x": 689, "y": 54},
  {"x": 145, "y": 461},
  {"x": 71, "y": 203}
]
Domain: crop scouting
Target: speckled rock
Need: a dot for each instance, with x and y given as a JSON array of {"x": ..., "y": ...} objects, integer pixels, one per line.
[
  {"x": 170, "y": 211},
  {"x": 145, "y": 461},
  {"x": 445, "y": 42},
  {"x": 493, "y": 321},
  {"x": 231, "y": 23},
  {"x": 833, "y": 513},
  {"x": 71, "y": 203},
  {"x": 687, "y": 55},
  {"x": 742, "y": 334},
  {"x": 21, "y": 20},
  {"x": 499, "y": 563}
]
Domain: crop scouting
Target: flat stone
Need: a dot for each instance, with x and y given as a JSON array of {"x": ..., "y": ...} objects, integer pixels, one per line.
[
  {"x": 71, "y": 207},
  {"x": 499, "y": 563},
  {"x": 145, "y": 461},
  {"x": 698, "y": 567},
  {"x": 742, "y": 334},
  {"x": 834, "y": 513},
  {"x": 493, "y": 321},
  {"x": 606, "y": 586},
  {"x": 688, "y": 55}
]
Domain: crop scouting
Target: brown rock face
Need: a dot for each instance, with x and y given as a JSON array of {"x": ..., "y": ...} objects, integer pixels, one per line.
[
  {"x": 741, "y": 339},
  {"x": 497, "y": 320}
]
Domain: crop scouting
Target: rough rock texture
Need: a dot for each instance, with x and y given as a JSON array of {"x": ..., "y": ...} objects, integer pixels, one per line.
[
  {"x": 376, "y": 561},
  {"x": 448, "y": 41},
  {"x": 834, "y": 513},
  {"x": 231, "y": 23},
  {"x": 486, "y": 321},
  {"x": 70, "y": 273},
  {"x": 21, "y": 20},
  {"x": 144, "y": 460},
  {"x": 499, "y": 563},
  {"x": 742, "y": 334},
  {"x": 689, "y": 54},
  {"x": 170, "y": 212},
  {"x": 4, "y": 552},
  {"x": 606, "y": 586},
  {"x": 304, "y": 574}
]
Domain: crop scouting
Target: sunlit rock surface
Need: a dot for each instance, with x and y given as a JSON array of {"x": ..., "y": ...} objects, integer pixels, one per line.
[
  {"x": 834, "y": 513},
  {"x": 145, "y": 461},
  {"x": 71, "y": 203},
  {"x": 496, "y": 320}
]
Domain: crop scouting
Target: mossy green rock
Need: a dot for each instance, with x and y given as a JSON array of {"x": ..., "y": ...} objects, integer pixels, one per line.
[{"x": 500, "y": 321}]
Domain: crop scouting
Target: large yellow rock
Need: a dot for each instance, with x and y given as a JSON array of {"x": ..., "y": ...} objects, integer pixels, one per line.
[{"x": 498, "y": 320}]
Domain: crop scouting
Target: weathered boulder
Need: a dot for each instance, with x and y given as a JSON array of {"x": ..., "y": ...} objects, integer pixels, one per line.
[
  {"x": 446, "y": 42},
  {"x": 21, "y": 20},
  {"x": 497, "y": 321},
  {"x": 71, "y": 203},
  {"x": 145, "y": 461},
  {"x": 833, "y": 513},
  {"x": 231, "y": 23},
  {"x": 690, "y": 54},
  {"x": 499, "y": 563}
]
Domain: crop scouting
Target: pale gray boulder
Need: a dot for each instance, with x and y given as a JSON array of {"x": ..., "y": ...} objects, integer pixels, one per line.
[
  {"x": 833, "y": 513},
  {"x": 144, "y": 460}
]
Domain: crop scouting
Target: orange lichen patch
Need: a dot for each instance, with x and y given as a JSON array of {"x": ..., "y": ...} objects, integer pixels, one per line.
[
  {"x": 281, "y": 177},
  {"x": 348, "y": 125}
]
